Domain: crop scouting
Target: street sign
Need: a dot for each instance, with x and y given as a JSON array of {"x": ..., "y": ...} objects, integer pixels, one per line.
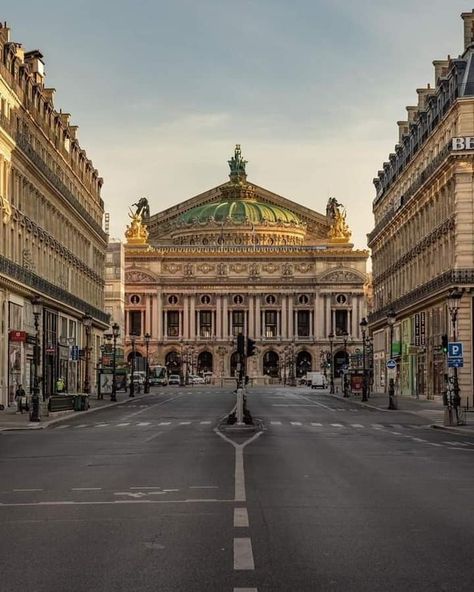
[
  {"x": 455, "y": 349},
  {"x": 391, "y": 364},
  {"x": 455, "y": 362}
]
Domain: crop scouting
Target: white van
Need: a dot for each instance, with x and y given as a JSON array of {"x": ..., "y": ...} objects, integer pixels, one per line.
[{"x": 316, "y": 380}]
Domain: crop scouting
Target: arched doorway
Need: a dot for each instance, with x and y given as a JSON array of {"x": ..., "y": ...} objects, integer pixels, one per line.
[
  {"x": 173, "y": 363},
  {"x": 271, "y": 362},
  {"x": 304, "y": 363},
  {"x": 341, "y": 362},
  {"x": 204, "y": 362},
  {"x": 234, "y": 360}
]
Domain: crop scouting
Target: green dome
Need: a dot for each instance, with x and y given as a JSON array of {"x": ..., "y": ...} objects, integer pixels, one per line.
[{"x": 240, "y": 210}]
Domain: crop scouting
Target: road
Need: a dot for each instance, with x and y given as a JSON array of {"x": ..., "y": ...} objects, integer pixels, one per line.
[{"x": 148, "y": 496}]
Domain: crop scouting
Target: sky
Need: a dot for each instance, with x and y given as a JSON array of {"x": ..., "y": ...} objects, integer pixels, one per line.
[{"x": 311, "y": 89}]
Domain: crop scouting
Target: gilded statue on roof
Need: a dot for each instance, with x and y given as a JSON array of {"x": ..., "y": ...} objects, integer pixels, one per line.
[
  {"x": 339, "y": 231},
  {"x": 137, "y": 232}
]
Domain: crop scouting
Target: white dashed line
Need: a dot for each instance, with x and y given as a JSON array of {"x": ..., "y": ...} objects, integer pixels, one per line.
[
  {"x": 377, "y": 426},
  {"x": 317, "y": 425},
  {"x": 243, "y": 556},
  {"x": 61, "y": 427},
  {"x": 32, "y": 489},
  {"x": 337, "y": 425},
  {"x": 143, "y": 423},
  {"x": 241, "y": 518},
  {"x": 205, "y": 422},
  {"x": 357, "y": 425},
  {"x": 245, "y": 590},
  {"x": 83, "y": 425},
  {"x": 275, "y": 422},
  {"x": 184, "y": 423},
  {"x": 122, "y": 425},
  {"x": 86, "y": 488},
  {"x": 164, "y": 423},
  {"x": 296, "y": 423},
  {"x": 101, "y": 425}
]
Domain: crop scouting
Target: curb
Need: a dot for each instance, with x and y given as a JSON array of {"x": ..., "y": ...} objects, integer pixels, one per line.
[
  {"x": 46, "y": 424},
  {"x": 453, "y": 430},
  {"x": 417, "y": 413}
]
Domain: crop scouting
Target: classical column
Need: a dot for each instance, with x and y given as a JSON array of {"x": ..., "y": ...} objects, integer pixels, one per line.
[
  {"x": 192, "y": 317},
  {"x": 219, "y": 317},
  {"x": 291, "y": 330},
  {"x": 186, "y": 317},
  {"x": 159, "y": 316},
  {"x": 316, "y": 324},
  {"x": 284, "y": 316},
  {"x": 279, "y": 323},
  {"x": 251, "y": 332},
  {"x": 148, "y": 314},
  {"x": 225, "y": 318},
  {"x": 329, "y": 326},
  {"x": 258, "y": 320}
]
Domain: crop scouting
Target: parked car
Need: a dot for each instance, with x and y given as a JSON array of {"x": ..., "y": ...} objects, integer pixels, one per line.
[
  {"x": 162, "y": 381},
  {"x": 174, "y": 379},
  {"x": 195, "y": 379},
  {"x": 316, "y": 380}
]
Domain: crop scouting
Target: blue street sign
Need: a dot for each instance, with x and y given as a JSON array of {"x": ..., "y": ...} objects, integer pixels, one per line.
[
  {"x": 455, "y": 349},
  {"x": 391, "y": 364},
  {"x": 455, "y": 362},
  {"x": 75, "y": 352}
]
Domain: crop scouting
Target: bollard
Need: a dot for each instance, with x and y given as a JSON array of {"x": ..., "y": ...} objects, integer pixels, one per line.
[{"x": 240, "y": 406}]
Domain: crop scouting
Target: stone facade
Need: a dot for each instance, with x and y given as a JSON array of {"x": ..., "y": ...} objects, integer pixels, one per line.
[
  {"x": 240, "y": 259},
  {"x": 52, "y": 244},
  {"x": 422, "y": 242}
]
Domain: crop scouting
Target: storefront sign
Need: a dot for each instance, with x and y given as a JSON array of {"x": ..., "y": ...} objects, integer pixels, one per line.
[
  {"x": 17, "y": 335},
  {"x": 465, "y": 143}
]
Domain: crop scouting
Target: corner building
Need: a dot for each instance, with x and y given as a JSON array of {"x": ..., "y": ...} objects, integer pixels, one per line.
[
  {"x": 241, "y": 259},
  {"x": 422, "y": 243},
  {"x": 52, "y": 245}
]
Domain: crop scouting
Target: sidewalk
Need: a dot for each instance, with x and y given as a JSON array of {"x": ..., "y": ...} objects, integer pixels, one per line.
[
  {"x": 11, "y": 420},
  {"x": 431, "y": 410}
]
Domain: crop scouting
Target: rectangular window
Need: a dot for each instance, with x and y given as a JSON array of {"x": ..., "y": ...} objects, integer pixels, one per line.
[
  {"x": 238, "y": 322},
  {"x": 303, "y": 323},
  {"x": 270, "y": 323},
  {"x": 205, "y": 323},
  {"x": 341, "y": 322},
  {"x": 173, "y": 323},
  {"x": 135, "y": 322}
]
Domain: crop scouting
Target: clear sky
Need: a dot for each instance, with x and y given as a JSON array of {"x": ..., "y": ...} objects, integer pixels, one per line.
[{"x": 311, "y": 89}]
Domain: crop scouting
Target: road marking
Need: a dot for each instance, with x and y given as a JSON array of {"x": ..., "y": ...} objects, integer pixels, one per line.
[
  {"x": 170, "y": 490},
  {"x": 275, "y": 422},
  {"x": 337, "y": 425},
  {"x": 86, "y": 488},
  {"x": 143, "y": 423},
  {"x": 397, "y": 426},
  {"x": 184, "y": 423},
  {"x": 316, "y": 403},
  {"x": 123, "y": 501},
  {"x": 121, "y": 425},
  {"x": 146, "y": 487},
  {"x": 83, "y": 425},
  {"x": 398, "y": 434},
  {"x": 317, "y": 425},
  {"x": 296, "y": 423},
  {"x": 205, "y": 422},
  {"x": 357, "y": 425},
  {"x": 203, "y": 487},
  {"x": 243, "y": 556},
  {"x": 434, "y": 444},
  {"x": 241, "y": 518},
  {"x": 101, "y": 425},
  {"x": 32, "y": 489},
  {"x": 164, "y": 423},
  {"x": 418, "y": 440},
  {"x": 377, "y": 426},
  {"x": 61, "y": 427},
  {"x": 245, "y": 589}
]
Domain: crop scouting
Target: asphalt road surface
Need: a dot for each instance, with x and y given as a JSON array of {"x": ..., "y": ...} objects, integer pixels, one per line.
[{"x": 150, "y": 496}]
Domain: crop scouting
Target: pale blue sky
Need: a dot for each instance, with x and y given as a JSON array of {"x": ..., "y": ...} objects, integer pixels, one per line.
[{"x": 311, "y": 89}]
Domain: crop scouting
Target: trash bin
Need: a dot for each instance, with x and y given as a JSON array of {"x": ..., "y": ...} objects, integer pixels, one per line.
[{"x": 81, "y": 402}]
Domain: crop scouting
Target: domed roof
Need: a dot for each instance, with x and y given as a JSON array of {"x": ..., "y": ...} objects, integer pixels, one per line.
[{"x": 240, "y": 210}]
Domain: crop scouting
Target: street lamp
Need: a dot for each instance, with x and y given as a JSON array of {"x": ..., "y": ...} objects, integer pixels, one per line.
[
  {"x": 454, "y": 298},
  {"x": 147, "y": 370},
  {"x": 291, "y": 377},
  {"x": 391, "y": 318},
  {"x": 34, "y": 415},
  {"x": 87, "y": 322},
  {"x": 331, "y": 343},
  {"x": 363, "y": 327},
  {"x": 132, "y": 375},
  {"x": 345, "y": 336},
  {"x": 115, "y": 334}
]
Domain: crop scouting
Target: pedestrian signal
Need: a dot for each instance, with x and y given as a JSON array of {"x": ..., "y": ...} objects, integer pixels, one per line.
[
  {"x": 444, "y": 343},
  {"x": 250, "y": 347}
]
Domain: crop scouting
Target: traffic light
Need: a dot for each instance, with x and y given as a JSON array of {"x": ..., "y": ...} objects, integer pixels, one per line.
[
  {"x": 241, "y": 344},
  {"x": 250, "y": 347},
  {"x": 444, "y": 343}
]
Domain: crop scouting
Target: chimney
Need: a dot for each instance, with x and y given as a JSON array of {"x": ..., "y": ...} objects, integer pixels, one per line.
[
  {"x": 4, "y": 33},
  {"x": 34, "y": 59},
  {"x": 468, "y": 18},
  {"x": 423, "y": 94},
  {"x": 441, "y": 69},
  {"x": 412, "y": 113},
  {"x": 402, "y": 130}
]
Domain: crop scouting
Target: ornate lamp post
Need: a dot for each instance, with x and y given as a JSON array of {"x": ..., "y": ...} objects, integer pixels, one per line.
[
  {"x": 363, "y": 327},
  {"x": 345, "y": 336},
  {"x": 454, "y": 298},
  {"x": 34, "y": 415},
  {"x": 115, "y": 334},
  {"x": 291, "y": 377},
  {"x": 132, "y": 373},
  {"x": 331, "y": 343},
  {"x": 391, "y": 318},
  {"x": 87, "y": 322},
  {"x": 147, "y": 367}
]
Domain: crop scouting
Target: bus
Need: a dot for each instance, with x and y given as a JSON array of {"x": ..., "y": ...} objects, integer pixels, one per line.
[{"x": 158, "y": 376}]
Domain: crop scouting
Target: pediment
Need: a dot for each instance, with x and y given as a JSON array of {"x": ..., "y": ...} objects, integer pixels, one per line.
[
  {"x": 138, "y": 276},
  {"x": 342, "y": 276}
]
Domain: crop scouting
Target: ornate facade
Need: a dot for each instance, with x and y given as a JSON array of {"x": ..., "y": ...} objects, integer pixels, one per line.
[
  {"x": 241, "y": 259},
  {"x": 52, "y": 244},
  {"x": 422, "y": 240}
]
